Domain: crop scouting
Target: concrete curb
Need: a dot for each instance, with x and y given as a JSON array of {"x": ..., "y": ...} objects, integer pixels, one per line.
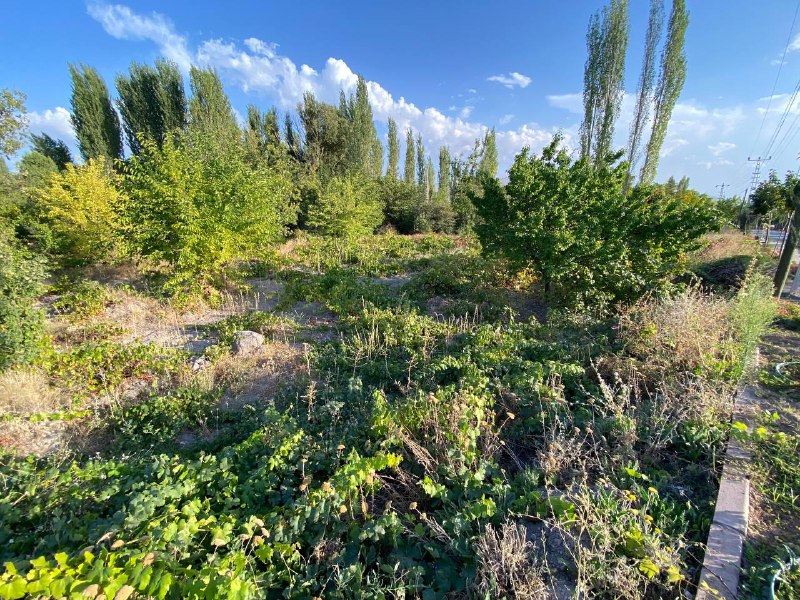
[{"x": 719, "y": 578}]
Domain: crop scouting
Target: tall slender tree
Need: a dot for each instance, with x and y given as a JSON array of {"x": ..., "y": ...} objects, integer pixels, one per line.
[
  {"x": 93, "y": 117},
  {"x": 394, "y": 151},
  {"x": 641, "y": 112},
  {"x": 55, "y": 150},
  {"x": 210, "y": 109},
  {"x": 670, "y": 84},
  {"x": 489, "y": 163},
  {"x": 362, "y": 135},
  {"x": 604, "y": 74},
  {"x": 408, "y": 171},
  {"x": 420, "y": 162},
  {"x": 151, "y": 101},
  {"x": 430, "y": 178},
  {"x": 291, "y": 138},
  {"x": 444, "y": 171}
]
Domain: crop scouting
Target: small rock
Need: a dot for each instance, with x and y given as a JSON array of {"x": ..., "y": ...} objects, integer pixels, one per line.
[
  {"x": 199, "y": 363},
  {"x": 246, "y": 342}
]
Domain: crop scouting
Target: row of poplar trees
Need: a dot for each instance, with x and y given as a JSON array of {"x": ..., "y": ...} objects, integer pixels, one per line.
[
  {"x": 326, "y": 140},
  {"x": 660, "y": 83}
]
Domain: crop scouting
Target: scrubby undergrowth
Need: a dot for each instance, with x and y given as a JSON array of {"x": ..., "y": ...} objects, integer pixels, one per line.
[{"x": 402, "y": 433}]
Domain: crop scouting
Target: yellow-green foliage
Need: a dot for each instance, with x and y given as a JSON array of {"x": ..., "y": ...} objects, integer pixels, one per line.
[
  {"x": 82, "y": 203},
  {"x": 348, "y": 207},
  {"x": 194, "y": 211}
]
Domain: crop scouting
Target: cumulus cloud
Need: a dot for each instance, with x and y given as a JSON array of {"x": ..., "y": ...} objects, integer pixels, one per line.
[
  {"x": 511, "y": 80},
  {"x": 505, "y": 119},
  {"x": 54, "y": 122},
  {"x": 121, "y": 22}
]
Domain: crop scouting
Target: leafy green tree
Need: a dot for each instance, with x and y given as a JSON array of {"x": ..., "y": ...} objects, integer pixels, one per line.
[
  {"x": 444, "y": 171},
  {"x": 430, "y": 178},
  {"x": 82, "y": 205},
  {"x": 13, "y": 124},
  {"x": 401, "y": 203},
  {"x": 151, "y": 101},
  {"x": 210, "y": 112},
  {"x": 644, "y": 99},
  {"x": 376, "y": 159},
  {"x": 420, "y": 162},
  {"x": 670, "y": 84},
  {"x": 326, "y": 128},
  {"x": 263, "y": 136},
  {"x": 348, "y": 207},
  {"x": 361, "y": 137},
  {"x": 394, "y": 151},
  {"x": 36, "y": 169},
  {"x": 292, "y": 142},
  {"x": 604, "y": 74},
  {"x": 93, "y": 116},
  {"x": 488, "y": 165},
  {"x": 408, "y": 171},
  {"x": 193, "y": 210},
  {"x": 572, "y": 224},
  {"x": 22, "y": 276},
  {"x": 772, "y": 197},
  {"x": 55, "y": 150},
  {"x": 464, "y": 186}
]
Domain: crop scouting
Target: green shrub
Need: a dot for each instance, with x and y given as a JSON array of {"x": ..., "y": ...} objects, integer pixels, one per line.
[
  {"x": 81, "y": 300},
  {"x": 253, "y": 320},
  {"x": 348, "y": 207},
  {"x": 195, "y": 211},
  {"x": 22, "y": 335},
  {"x": 752, "y": 312}
]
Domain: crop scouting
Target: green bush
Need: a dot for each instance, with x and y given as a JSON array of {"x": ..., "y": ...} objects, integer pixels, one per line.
[
  {"x": 196, "y": 211},
  {"x": 22, "y": 335},
  {"x": 348, "y": 207},
  {"x": 571, "y": 222},
  {"x": 81, "y": 299}
]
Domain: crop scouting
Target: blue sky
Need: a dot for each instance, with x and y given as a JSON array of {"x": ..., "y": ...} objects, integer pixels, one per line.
[{"x": 449, "y": 69}]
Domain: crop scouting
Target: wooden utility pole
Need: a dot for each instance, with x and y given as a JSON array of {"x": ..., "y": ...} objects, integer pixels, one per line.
[{"x": 785, "y": 262}]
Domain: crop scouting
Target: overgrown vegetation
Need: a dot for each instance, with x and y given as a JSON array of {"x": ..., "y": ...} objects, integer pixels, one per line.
[{"x": 440, "y": 386}]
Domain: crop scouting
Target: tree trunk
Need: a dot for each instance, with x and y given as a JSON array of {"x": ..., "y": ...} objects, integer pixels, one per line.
[{"x": 786, "y": 256}]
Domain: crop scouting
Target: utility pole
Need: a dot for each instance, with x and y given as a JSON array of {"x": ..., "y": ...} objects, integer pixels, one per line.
[
  {"x": 753, "y": 183},
  {"x": 721, "y": 187}
]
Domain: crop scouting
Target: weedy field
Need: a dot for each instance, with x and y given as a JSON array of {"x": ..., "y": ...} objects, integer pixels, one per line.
[{"x": 388, "y": 418}]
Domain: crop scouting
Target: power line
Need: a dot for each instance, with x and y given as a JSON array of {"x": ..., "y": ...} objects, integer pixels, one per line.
[
  {"x": 782, "y": 120},
  {"x": 721, "y": 187},
  {"x": 778, "y": 75}
]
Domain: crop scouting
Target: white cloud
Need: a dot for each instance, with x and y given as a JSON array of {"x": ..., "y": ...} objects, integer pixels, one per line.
[
  {"x": 569, "y": 102},
  {"x": 54, "y": 122},
  {"x": 794, "y": 45},
  {"x": 466, "y": 112},
  {"x": 121, "y": 22},
  {"x": 511, "y": 80},
  {"x": 505, "y": 119},
  {"x": 721, "y": 147}
]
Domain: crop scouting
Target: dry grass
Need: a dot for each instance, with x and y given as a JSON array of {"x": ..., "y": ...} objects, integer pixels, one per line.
[
  {"x": 255, "y": 377},
  {"x": 27, "y": 391},
  {"x": 678, "y": 334},
  {"x": 506, "y": 566},
  {"x": 725, "y": 245}
]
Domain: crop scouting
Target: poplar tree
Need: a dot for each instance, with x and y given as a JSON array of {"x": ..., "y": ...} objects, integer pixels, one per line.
[
  {"x": 152, "y": 103},
  {"x": 376, "y": 159},
  {"x": 604, "y": 73},
  {"x": 489, "y": 165},
  {"x": 670, "y": 83},
  {"x": 408, "y": 172},
  {"x": 420, "y": 162},
  {"x": 93, "y": 117},
  {"x": 210, "y": 109},
  {"x": 641, "y": 112},
  {"x": 430, "y": 177},
  {"x": 291, "y": 138},
  {"x": 55, "y": 150},
  {"x": 444, "y": 171},
  {"x": 360, "y": 144},
  {"x": 394, "y": 151}
]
